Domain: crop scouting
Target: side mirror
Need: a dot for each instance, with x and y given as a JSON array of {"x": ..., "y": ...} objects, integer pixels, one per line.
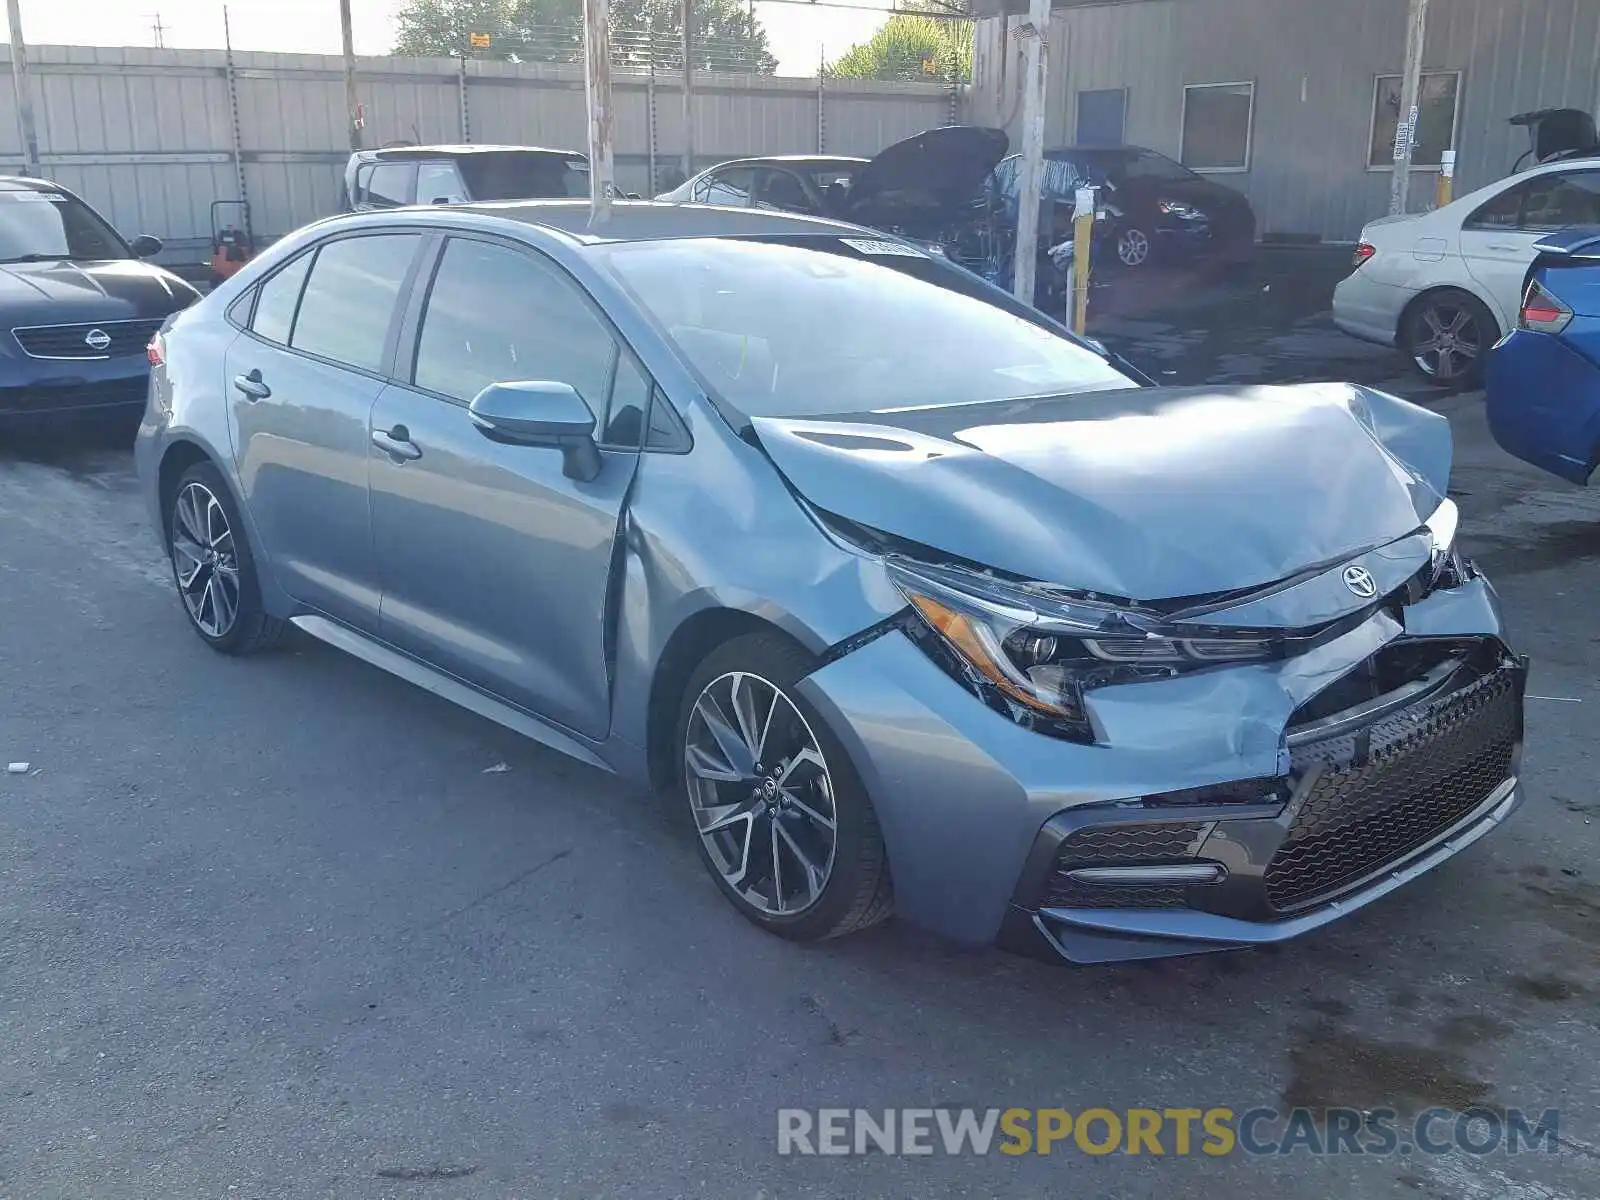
[
  {"x": 540, "y": 413},
  {"x": 146, "y": 245}
]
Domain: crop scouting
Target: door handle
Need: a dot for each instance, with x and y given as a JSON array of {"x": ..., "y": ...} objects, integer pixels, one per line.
[
  {"x": 397, "y": 443},
  {"x": 252, "y": 386},
  {"x": 1502, "y": 246}
]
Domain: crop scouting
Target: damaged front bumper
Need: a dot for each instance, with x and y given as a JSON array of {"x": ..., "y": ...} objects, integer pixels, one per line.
[{"x": 1221, "y": 809}]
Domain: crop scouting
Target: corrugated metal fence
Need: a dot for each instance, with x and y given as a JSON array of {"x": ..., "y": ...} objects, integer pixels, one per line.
[{"x": 147, "y": 135}]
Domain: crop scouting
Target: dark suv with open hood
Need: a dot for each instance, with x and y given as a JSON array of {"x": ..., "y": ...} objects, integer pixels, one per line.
[
  {"x": 78, "y": 305},
  {"x": 929, "y": 189}
]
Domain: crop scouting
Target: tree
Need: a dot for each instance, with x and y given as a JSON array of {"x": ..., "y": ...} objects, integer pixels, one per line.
[
  {"x": 726, "y": 35},
  {"x": 911, "y": 47}
]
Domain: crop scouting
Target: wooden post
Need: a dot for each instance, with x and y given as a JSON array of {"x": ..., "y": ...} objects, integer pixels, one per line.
[
  {"x": 24, "y": 90},
  {"x": 597, "y": 88},
  {"x": 1405, "y": 133},
  {"x": 1031, "y": 178},
  {"x": 350, "y": 101}
]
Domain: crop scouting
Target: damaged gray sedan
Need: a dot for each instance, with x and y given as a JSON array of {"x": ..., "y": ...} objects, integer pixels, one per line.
[{"x": 911, "y": 601}]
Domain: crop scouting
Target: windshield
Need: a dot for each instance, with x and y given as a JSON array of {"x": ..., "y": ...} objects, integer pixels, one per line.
[
  {"x": 808, "y": 326},
  {"x": 524, "y": 176},
  {"x": 1139, "y": 164},
  {"x": 42, "y": 226}
]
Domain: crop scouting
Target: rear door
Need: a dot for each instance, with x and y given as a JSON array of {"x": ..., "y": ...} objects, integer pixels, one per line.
[
  {"x": 495, "y": 566},
  {"x": 301, "y": 384},
  {"x": 1497, "y": 238}
]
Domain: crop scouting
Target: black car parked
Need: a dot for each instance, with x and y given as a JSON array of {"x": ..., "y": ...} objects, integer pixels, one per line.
[
  {"x": 77, "y": 308},
  {"x": 398, "y": 175},
  {"x": 1157, "y": 210}
]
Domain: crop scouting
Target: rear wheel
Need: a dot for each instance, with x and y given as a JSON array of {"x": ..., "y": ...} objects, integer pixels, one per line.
[
  {"x": 213, "y": 567},
  {"x": 1446, "y": 335},
  {"x": 784, "y": 825}
]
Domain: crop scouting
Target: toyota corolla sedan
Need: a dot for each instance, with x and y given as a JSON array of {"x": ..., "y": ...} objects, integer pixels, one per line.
[{"x": 910, "y": 601}]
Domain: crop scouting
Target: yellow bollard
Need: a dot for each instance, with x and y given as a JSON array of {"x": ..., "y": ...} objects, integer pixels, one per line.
[
  {"x": 1082, "y": 237},
  {"x": 1444, "y": 190}
]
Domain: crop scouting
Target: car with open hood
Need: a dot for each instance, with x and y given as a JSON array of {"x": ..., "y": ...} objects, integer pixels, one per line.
[
  {"x": 929, "y": 188},
  {"x": 78, "y": 305},
  {"x": 910, "y": 601}
]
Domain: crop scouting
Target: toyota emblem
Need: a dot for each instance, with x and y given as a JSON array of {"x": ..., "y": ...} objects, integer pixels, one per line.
[
  {"x": 1360, "y": 581},
  {"x": 97, "y": 339}
]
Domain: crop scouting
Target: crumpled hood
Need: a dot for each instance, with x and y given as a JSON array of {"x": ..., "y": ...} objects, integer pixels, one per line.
[
  {"x": 946, "y": 166},
  {"x": 1142, "y": 493}
]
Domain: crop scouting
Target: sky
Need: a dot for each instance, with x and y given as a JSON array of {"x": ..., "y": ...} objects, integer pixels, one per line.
[{"x": 798, "y": 35}]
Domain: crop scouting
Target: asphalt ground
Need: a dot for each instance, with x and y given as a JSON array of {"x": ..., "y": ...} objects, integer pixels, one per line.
[{"x": 287, "y": 927}]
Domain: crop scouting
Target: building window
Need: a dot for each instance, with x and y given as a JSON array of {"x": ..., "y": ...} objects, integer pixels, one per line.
[
  {"x": 1216, "y": 126},
  {"x": 1101, "y": 117},
  {"x": 1437, "y": 101}
]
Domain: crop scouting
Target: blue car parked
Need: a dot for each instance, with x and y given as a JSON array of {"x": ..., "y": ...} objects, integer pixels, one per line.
[{"x": 1543, "y": 378}]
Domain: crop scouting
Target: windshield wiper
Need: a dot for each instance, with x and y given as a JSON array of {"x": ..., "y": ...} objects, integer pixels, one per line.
[{"x": 32, "y": 258}]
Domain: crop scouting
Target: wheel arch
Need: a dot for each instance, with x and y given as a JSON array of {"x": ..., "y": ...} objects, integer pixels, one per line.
[
  {"x": 1440, "y": 289},
  {"x": 182, "y": 452},
  {"x": 696, "y": 637}
]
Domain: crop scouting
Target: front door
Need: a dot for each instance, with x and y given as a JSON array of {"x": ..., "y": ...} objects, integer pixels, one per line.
[
  {"x": 1497, "y": 240},
  {"x": 495, "y": 566},
  {"x": 301, "y": 385}
]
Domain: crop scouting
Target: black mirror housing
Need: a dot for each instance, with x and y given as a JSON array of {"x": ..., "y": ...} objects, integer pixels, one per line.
[
  {"x": 146, "y": 245},
  {"x": 540, "y": 413}
]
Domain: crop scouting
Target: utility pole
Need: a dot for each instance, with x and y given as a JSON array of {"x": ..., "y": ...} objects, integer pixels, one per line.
[
  {"x": 160, "y": 31},
  {"x": 350, "y": 102},
  {"x": 24, "y": 90},
  {"x": 1405, "y": 130},
  {"x": 688, "y": 89},
  {"x": 1031, "y": 178},
  {"x": 597, "y": 89}
]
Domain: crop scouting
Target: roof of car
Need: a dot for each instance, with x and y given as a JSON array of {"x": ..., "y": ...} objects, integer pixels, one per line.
[
  {"x": 630, "y": 220},
  {"x": 24, "y": 183},
  {"x": 461, "y": 151},
  {"x": 797, "y": 160}
]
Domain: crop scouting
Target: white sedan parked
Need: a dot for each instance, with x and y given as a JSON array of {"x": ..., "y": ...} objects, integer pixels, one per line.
[{"x": 1443, "y": 286}]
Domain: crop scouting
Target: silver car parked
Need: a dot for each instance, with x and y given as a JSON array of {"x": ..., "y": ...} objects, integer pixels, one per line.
[{"x": 912, "y": 601}]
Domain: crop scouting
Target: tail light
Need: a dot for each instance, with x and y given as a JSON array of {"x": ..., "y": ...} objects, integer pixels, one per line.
[
  {"x": 1364, "y": 251},
  {"x": 1542, "y": 310},
  {"x": 156, "y": 351}
]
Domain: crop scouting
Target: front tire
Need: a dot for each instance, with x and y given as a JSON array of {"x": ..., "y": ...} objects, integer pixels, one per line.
[
  {"x": 782, "y": 821},
  {"x": 1446, "y": 336},
  {"x": 213, "y": 568}
]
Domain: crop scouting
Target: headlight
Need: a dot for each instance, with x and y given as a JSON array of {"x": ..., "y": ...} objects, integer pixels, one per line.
[
  {"x": 1177, "y": 208},
  {"x": 1448, "y": 569},
  {"x": 1032, "y": 653}
]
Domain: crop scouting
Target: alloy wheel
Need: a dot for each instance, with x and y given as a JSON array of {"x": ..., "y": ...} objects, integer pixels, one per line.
[
  {"x": 1133, "y": 247},
  {"x": 761, "y": 794},
  {"x": 205, "y": 560},
  {"x": 1450, "y": 344}
]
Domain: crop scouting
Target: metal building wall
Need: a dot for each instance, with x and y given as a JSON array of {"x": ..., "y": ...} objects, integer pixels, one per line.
[
  {"x": 146, "y": 135},
  {"x": 1314, "y": 64}
]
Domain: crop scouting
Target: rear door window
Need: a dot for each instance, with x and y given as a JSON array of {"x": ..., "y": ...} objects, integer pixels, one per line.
[
  {"x": 783, "y": 191},
  {"x": 385, "y": 185},
  {"x": 349, "y": 300}
]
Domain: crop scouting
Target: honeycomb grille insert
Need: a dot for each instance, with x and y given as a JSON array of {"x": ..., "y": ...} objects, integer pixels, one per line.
[
  {"x": 1118, "y": 846},
  {"x": 1388, "y": 790}
]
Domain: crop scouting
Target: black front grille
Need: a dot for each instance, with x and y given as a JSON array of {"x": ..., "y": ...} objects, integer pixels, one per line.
[
  {"x": 1387, "y": 790},
  {"x": 1113, "y": 845},
  {"x": 109, "y": 339},
  {"x": 44, "y": 400}
]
